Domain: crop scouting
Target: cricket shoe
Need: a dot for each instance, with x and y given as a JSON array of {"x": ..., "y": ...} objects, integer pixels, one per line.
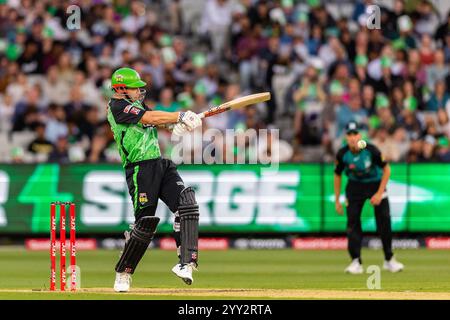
[
  {"x": 123, "y": 281},
  {"x": 393, "y": 265},
  {"x": 184, "y": 271},
  {"x": 355, "y": 267}
]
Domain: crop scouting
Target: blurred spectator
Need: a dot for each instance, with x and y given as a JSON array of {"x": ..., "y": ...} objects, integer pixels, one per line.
[
  {"x": 216, "y": 19},
  {"x": 426, "y": 50},
  {"x": 89, "y": 122},
  {"x": 443, "y": 122},
  {"x": 28, "y": 110},
  {"x": 155, "y": 68},
  {"x": 54, "y": 89},
  {"x": 409, "y": 121},
  {"x": 383, "y": 116},
  {"x": 60, "y": 153},
  {"x": 249, "y": 43},
  {"x": 88, "y": 90},
  {"x": 397, "y": 98},
  {"x": 405, "y": 38},
  {"x": 361, "y": 61},
  {"x": 310, "y": 99},
  {"x": 388, "y": 147},
  {"x": 66, "y": 71},
  {"x": 76, "y": 107},
  {"x": 415, "y": 71},
  {"x": 415, "y": 149},
  {"x": 17, "y": 155},
  {"x": 29, "y": 61},
  {"x": 136, "y": 20},
  {"x": 439, "y": 97},
  {"x": 332, "y": 50},
  {"x": 352, "y": 111},
  {"x": 387, "y": 79},
  {"x": 427, "y": 19},
  {"x": 443, "y": 149},
  {"x": 166, "y": 102},
  {"x": 40, "y": 145},
  {"x": 56, "y": 125},
  {"x": 428, "y": 150},
  {"x": 442, "y": 32},
  {"x": 18, "y": 89},
  {"x": 402, "y": 142},
  {"x": 6, "y": 113},
  {"x": 438, "y": 71},
  {"x": 447, "y": 47}
]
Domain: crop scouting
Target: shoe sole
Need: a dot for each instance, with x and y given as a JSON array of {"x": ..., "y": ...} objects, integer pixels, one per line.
[{"x": 185, "y": 280}]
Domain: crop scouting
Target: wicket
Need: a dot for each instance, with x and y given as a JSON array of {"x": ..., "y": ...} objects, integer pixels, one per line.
[{"x": 62, "y": 250}]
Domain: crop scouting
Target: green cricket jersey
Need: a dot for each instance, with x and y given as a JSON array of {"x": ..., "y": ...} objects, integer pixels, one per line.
[
  {"x": 136, "y": 141},
  {"x": 364, "y": 166}
]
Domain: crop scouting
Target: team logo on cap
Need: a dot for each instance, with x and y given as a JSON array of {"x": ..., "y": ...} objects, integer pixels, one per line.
[{"x": 119, "y": 78}]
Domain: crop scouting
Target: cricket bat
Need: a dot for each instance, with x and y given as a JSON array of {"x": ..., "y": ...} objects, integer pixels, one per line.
[{"x": 236, "y": 104}]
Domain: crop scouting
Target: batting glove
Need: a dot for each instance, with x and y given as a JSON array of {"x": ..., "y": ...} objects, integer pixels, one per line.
[{"x": 187, "y": 121}]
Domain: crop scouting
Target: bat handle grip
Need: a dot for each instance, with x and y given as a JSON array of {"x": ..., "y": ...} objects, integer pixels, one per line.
[{"x": 201, "y": 115}]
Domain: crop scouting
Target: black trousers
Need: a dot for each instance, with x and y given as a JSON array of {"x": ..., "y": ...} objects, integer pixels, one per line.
[
  {"x": 357, "y": 193},
  {"x": 151, "y": 180}
]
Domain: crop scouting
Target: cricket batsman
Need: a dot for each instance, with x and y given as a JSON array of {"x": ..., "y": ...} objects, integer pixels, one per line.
[
  {"x": 150, "y": 177},
  {"x": 368, "y": 175}
]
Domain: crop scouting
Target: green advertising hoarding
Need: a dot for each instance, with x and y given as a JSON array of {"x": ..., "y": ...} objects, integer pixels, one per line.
[{"x": 232, "y": 198}]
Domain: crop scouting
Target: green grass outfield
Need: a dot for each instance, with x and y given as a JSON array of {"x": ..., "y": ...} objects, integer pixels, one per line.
[{"x": 234, "y": 274}]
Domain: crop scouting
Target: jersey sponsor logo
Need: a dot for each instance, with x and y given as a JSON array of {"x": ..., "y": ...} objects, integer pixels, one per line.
[
  {"x": 127, "y": 108},
  {"x": 143, "y": 198},
  {"x": 134, "y": 110}
]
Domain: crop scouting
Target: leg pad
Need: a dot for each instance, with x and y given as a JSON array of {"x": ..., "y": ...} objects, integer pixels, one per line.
[
  {"x": 138, "y": 242},
  {"x": 189, "y": 218}
]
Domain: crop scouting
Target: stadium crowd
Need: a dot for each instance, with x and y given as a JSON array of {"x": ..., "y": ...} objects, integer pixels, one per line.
[{"x": 323, "y": 67}]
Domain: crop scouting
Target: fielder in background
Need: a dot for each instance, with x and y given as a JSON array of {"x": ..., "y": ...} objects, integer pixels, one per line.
[
  {"x": 368, "y": 175},
  {"x": 150, "y": 177}
]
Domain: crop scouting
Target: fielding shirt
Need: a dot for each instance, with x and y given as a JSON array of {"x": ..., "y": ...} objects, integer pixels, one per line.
[
  {"x": 135, "y": 141},
  {"x": 364, "y": 166}
]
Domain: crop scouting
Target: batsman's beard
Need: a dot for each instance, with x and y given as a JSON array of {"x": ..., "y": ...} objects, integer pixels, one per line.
[{"x": 140, "y": 97}]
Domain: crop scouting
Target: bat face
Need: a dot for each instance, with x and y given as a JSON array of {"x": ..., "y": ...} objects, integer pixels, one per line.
[{"x": 237, "y": 103}]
